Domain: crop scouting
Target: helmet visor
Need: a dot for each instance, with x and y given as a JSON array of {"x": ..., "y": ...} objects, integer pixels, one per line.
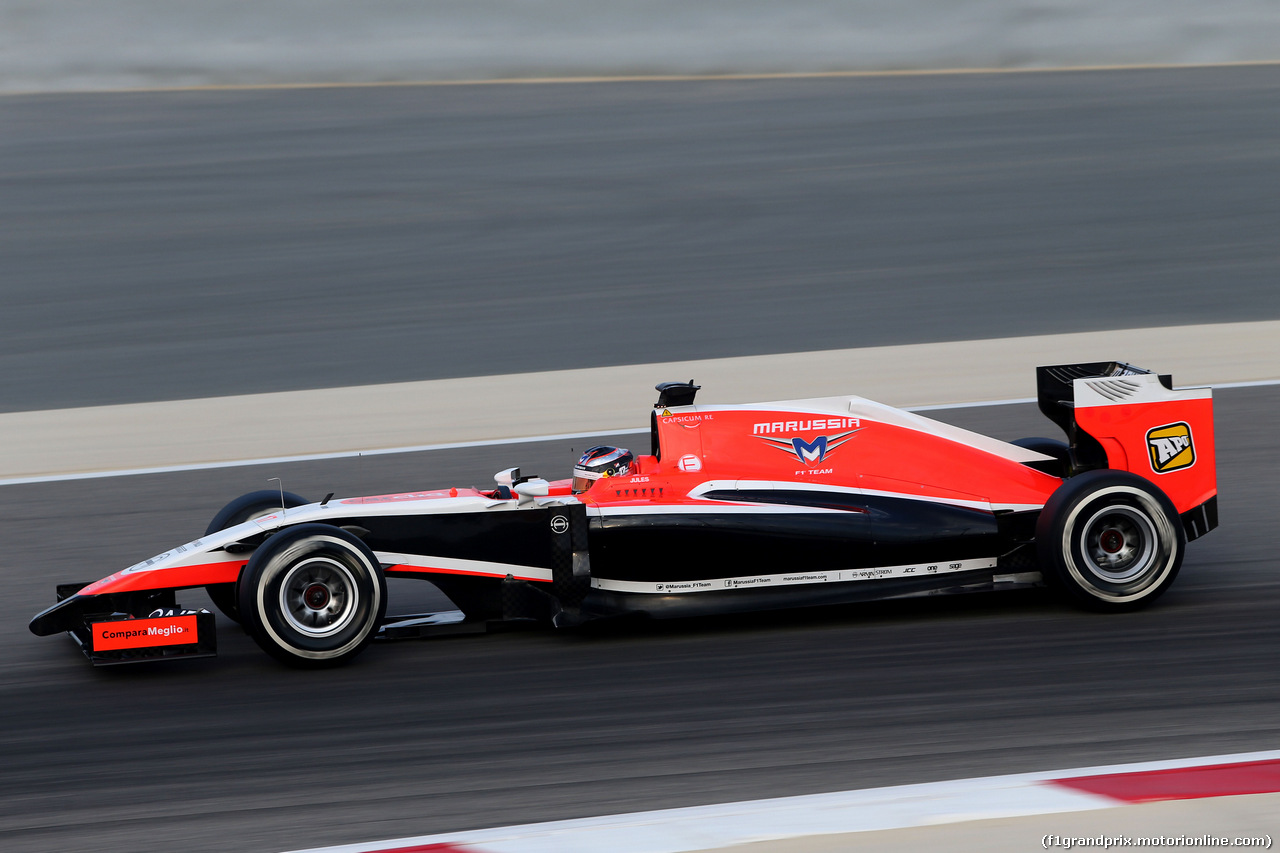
[{"x": 583, "y": 478}]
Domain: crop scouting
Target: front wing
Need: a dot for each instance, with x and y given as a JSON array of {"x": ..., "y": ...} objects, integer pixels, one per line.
[{"x": 112, "y": 637}]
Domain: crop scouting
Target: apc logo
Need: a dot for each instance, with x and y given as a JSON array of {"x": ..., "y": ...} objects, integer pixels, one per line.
[
  {"x": 809, "y": 452},
  {"x": 1171, "y": 448}
]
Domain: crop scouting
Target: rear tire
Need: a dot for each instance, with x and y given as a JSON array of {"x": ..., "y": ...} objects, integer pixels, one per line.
[
  {"x": 313, "y": 596},
  {"x": 1110, "y": 540},
  {"x": 240, "y": 510}
]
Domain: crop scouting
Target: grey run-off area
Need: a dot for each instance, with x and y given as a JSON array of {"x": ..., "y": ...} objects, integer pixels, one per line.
[
  {"x": 82, "y": 44},
  {"x": 168, "y": 246}
]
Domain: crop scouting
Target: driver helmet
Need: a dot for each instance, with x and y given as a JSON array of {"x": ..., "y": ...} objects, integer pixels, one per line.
[{"x": 598, "y": 462}]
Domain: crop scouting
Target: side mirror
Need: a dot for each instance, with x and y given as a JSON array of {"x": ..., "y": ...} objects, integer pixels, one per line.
[
  {"x": 507, "y": 477},
  {"x": 535, "y": 488},
  {"x": 675, "y": 394}
]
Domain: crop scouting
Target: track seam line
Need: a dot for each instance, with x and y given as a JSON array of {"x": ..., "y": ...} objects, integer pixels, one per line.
[{"x": 652, "y": 78}]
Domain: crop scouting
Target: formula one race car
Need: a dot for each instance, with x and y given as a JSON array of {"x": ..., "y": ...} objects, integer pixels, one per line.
[{"x": 735, "y": 508}]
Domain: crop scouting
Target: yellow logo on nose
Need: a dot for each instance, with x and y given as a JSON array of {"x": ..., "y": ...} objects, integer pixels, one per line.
[{"x": 1171, "y": 448}]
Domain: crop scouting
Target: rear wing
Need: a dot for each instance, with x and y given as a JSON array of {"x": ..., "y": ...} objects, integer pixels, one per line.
[{"x": 1123, "y": 417}]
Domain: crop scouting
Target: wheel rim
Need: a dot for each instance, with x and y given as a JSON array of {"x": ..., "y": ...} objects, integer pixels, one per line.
[
  {"x": 319, "y": 597},
  {"x": 1119, "y": 544}
]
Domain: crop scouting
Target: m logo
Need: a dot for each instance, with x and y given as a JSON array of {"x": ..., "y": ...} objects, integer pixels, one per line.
[
  {"x": 1171, "y": 448},
  {"x": 809, "y": 452}
]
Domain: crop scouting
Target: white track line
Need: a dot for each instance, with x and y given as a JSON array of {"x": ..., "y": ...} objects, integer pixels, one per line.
[{"x": 312, "y": 457}]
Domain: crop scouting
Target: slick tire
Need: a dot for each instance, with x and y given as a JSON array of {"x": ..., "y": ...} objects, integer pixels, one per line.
[
  {"x": 1110, "y": 541},
  {"x": 313, "y": 596},
  {"x": 240, "y": 510}
]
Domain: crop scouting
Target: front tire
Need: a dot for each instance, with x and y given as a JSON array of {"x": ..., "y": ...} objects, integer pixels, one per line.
[
  {"x": 313, "y": 596},
  {"x": 1110, "y": 540},
  {"x": 242, "y": 509}
]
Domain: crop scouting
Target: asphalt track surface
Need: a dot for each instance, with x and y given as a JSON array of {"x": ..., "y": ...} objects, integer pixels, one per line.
[
  {"x": 158, "y": 246},
  {"x": 429, "y": 736}
]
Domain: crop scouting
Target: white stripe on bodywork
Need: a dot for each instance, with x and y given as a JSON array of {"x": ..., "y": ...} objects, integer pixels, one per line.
[
  {"x": 208, "y": 548},
  {"x": 427, "y": 563},
  {"x": 712, "y": 507},
  {"x": 1130, "y": 390},
  {"x": 864, "y": 409},
  {"x": 789, "y": 486},
  {"x": 971, "y": 504},
  {"x": 700, "y": 491},
  {"x": 794, "y": 578},
  {"x": 205, "y": 550}
]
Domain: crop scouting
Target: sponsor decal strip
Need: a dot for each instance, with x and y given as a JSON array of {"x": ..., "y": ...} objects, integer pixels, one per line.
[
  {"x": 794, "y": 578},
  {"x": 811, "y": 425},
  {"x": 1171, "y": 447},
  {"x": 431, "y": 565},
  {"x": 144, "y": 633},
  {"x": 725, "y": 825}
]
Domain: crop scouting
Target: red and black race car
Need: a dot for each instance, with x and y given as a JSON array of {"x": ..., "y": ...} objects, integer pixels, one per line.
[{"x": 735, "y": 508}]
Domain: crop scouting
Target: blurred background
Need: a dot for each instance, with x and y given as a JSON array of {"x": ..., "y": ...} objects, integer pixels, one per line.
[
  {"x": 163, "y": 243},
  {"x": 66, "y": 44}
]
